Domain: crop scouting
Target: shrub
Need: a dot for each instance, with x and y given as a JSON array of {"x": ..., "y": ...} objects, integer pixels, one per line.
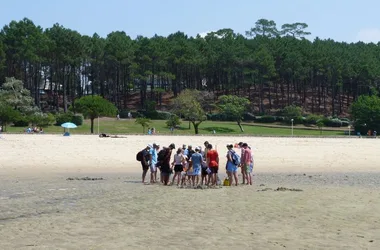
[
  {"x": 334, "y": 122},
  {"x": 77, "y": 120},
  {"x": 21, "y": 122},
  {"x": 219, "y": 117},
  {"x": 249, "y": 117},
  {"x": 312, "y": 119},
  {"x": 123, "y": 114},
  {"x": 345, "y": 123},
  {"x": 293, "y": 112},
  {"x": 173, "y": 121},
  {"x": 267, "y": 119},
  {"x": 63, "y": 117},
  {"x": 136, "y": 114}
]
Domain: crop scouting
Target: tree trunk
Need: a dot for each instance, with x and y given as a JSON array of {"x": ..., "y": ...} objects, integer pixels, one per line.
[
  {"x": 196, "y": 131},
  {"x": 92, "y": 125},
  {"x": 240, "y": 126}
]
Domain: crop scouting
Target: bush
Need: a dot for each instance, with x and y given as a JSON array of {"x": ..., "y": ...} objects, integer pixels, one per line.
[
  {"x": 345, "y": 123},
  {"x": 293, "y": 112},
  {"x": 312, "y": 119},
  {"x": 173, "y": 121},
  {"x": 136, "y": 114},
  {"x": 77, "y": 120},
  {"x": 249, "y": 117},
  {"x": 63, "y": 117},
  {"x": 334, "y": 122},
  {"x": 123, "y": 114},
  {"x": 268, "y": 119},
  {"x": 219, "y": 117},
  {"x": 21, "y": 122}
]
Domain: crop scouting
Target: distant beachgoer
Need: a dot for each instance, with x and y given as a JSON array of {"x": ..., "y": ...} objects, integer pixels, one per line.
[
  {"x": 166, "y": 171},
  {"x": 118, "y": 117},
  {"x": 246, "y": 163},
  {"x": 205, "y": 174},
  {"x": 374, "y": 133},
  {"x": 213, "y": 164},
  {"x": 153, "y": 163},
  {"x": 196, "y": 160},
  {"x": 231, "y": 167},
  {"x": 110, "y": 136},
  {"x": 129, "y": 115},
  {"x": 177, "y": 164},
  {"x": 243, "y": 173},
  {"x": 146, "y": 159}
]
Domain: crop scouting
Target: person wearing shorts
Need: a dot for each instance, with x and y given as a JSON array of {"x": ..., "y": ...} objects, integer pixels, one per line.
[
  {"x": 177, "y": 164},
  {"x": 213, "y": 164},
  {"x": 196, "y": 160},
  {"x": 246, "y": 163},
  {"x": 231, "y": 168},
  {"x": 153, "y": 163}
]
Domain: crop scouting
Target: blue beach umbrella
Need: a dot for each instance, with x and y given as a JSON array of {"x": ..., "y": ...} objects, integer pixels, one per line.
[{"x": 68, "y": 125}]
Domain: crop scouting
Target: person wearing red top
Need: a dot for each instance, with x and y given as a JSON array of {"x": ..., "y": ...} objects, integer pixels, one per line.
[{"x": 213, "y": 164}]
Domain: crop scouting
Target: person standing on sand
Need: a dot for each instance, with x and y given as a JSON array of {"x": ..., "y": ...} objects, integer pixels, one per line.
[
  {"x": 166, "y": 171},
  {"x": 196, "y": 160},
  {"x": 213, "y": 164},
  {"x": 178, "y": 163},
  {"x": 246, "y": 163},
  {"x": 153, "y": 163},
  {"x": 231, "y": 167},
  {"x": 204, "y": 172},
  {"x": 146, "y": 160},
  {"x": 243, "y": 173}
]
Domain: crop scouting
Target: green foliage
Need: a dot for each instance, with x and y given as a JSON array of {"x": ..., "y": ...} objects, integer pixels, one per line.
[
  {"x": 234, "y": 107},
  {"x": 42, "y": 120},
  {"x": 77, "y": 120},
  {"x": 173, "y": 121},
  {"x": 292, "y": 112},
  {"x": 267, "y": 119},
  {"x": 8, "y": 115},
  {"x": 64, "y": 117},
  {"x": 13, "y": 94},
  {"x": 187, "y": 104},
  {"x": 94, "y": 106},
  {"x": 320, "y": 125},
  {"x": 312, "y": 119},
  {"x": 144, "y": 122},
  {"x": 366, "y": 113}
]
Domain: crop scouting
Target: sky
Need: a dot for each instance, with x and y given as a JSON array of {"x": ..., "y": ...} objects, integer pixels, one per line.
[{"x": 341, "y": 20}]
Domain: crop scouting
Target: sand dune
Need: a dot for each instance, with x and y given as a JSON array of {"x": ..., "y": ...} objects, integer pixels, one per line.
[{"x": 338, "y": 207}]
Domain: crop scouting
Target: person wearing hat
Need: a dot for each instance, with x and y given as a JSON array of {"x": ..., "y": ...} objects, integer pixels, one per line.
[
  {"x": 166, "y": 171},
  {"x": 153, "y": 168},
  {"x": 230, "y": 166}
]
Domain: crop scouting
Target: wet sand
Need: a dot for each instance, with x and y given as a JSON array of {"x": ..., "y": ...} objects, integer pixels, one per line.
[{"x": 338, "y": 207}]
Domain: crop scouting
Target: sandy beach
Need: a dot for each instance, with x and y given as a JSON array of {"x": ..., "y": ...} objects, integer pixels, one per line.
[{"x": 336, "y": 205}]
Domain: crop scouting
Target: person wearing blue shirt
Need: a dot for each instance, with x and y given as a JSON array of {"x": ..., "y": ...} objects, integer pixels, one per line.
[
  {"x": 196, "y": 159},
  {"x": 153, "y": 164}
]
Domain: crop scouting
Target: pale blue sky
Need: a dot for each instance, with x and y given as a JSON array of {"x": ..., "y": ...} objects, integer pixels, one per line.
[{"x": 341, "y": 20}]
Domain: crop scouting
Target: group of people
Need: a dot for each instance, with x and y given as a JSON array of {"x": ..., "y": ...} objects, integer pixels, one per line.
[{"x": 195, "y": 166}]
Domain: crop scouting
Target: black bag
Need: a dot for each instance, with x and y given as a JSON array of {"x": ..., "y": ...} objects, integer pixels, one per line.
[
  {"x": 140, "y": 155},
  {"x": 161, "y": 155}
]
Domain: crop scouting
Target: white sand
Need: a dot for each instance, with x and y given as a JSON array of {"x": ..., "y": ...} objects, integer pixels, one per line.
[{"x": 40, "y": 209}]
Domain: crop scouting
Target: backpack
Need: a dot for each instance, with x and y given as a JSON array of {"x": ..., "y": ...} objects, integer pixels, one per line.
[
  {"x": 161, "y": 155},
  {"x": 235, "y": 158},
  {"x": 140, "y": 155}
]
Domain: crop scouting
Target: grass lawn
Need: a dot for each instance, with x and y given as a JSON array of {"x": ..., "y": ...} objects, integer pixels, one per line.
[{"x": 113, "y": 126}]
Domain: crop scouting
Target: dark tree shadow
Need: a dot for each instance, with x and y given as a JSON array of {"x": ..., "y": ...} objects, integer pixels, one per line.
[{"x": 219, "y": 129}]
